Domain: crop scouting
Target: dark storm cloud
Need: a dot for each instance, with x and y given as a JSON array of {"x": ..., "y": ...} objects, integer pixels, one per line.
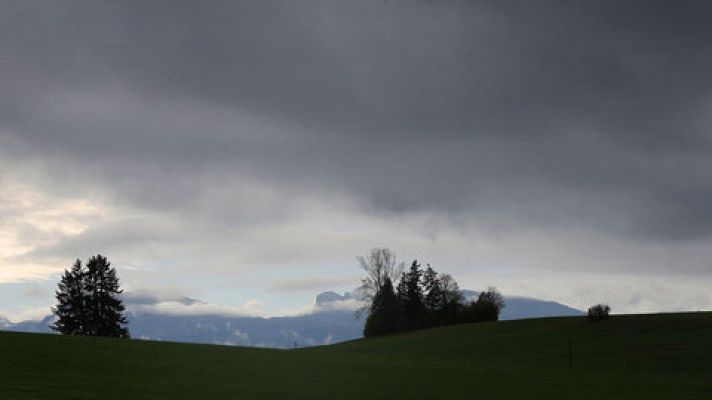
[{"x": 593, "y": 114}]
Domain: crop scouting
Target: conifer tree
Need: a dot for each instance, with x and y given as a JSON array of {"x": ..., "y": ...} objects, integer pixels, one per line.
[
  {"x": 105, "y": 310},
  {"x": 433, "y": 295},
  {"x": 70, "y": 310},
  {"x": 410, "y": 294},
  {"x": 87, "y": 301},
  {"x": 385, "y": 315}
]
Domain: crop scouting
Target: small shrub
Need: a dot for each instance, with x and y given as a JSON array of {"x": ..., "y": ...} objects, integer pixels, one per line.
[{"x": 599, "y": 312}]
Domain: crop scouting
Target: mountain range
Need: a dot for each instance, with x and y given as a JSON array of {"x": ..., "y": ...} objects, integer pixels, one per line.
[{"x": 333, "y": 319}]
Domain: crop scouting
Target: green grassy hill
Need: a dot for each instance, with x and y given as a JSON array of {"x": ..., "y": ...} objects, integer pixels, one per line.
[{"x": 666, "y": 356}]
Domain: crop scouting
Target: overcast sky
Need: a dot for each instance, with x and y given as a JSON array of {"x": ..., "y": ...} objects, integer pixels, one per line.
[{"x": 245, "y": 152}]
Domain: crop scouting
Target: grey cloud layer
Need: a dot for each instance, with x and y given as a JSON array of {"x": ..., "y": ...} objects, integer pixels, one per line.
[{"x": 593, "y": 114}]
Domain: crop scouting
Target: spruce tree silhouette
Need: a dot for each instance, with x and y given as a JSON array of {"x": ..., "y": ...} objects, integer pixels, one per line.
[
  {"x": 432, "y": 296},
  {"x": 70, "y": 310},
  {"x": 385, "y": 313},
  {"x": 410, "y": 294},
  {"x": 88, "y": 302}
]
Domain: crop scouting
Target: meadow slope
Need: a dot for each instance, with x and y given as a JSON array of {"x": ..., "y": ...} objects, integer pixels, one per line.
[{"x": 663, "y": 356}]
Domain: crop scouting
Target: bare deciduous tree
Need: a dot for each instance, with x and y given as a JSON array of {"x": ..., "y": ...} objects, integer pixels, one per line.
[
  {"x": 450, "y": 291},
  {"x": 380, "y": 266}
]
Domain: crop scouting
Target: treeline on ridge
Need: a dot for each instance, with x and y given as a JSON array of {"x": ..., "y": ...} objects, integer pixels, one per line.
[{"x": 417, "y": 298}]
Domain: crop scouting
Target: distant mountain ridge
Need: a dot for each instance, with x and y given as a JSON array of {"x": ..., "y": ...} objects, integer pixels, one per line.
[{"x": 333, "y": 320}]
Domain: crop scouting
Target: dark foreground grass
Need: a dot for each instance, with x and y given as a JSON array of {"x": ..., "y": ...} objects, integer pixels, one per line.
[{"x": 667, "y": 356}]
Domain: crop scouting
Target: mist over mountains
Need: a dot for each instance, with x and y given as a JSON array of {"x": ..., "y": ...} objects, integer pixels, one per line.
[{"x": 332, "y": 319}]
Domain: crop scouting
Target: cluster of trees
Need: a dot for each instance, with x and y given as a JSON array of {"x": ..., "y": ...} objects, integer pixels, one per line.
[
  {"x": 88, "y": 302},
  {"x": 399, "y": 300},
  {"x": 599, "y": 312}
]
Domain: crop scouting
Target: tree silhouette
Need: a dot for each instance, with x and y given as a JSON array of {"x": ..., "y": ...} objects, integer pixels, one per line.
[
  {"x": 421, "y": 298},
  {"x": 452, "y": 300},
  {"x": 487, "y": 307},
  {"x": 599, "y": 312},
  {"x": 380, "y": 266},
  {"x": 105, "y": 308},
  {"x": 88, "y": 303},
  {"x": 385, "y": 316},
  {"x": 432, "y": 296},
  {"x": 70, "y": 310},
  {"x": 410, "y": 295}
]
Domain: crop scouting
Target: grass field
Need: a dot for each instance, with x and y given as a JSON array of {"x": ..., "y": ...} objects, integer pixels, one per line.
[{"x": 665, "y": 356}]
